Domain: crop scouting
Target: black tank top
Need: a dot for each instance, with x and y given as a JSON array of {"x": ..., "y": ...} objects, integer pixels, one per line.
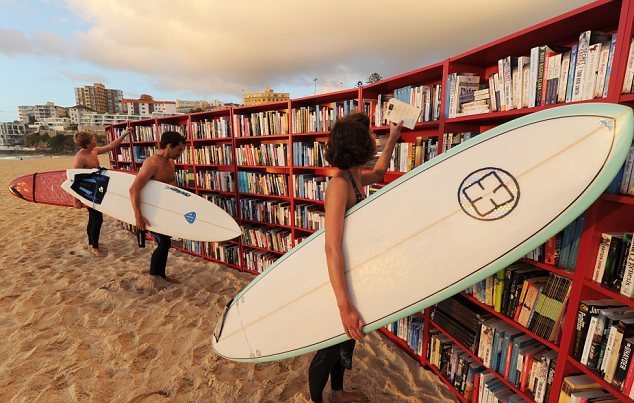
[{"x": 357, "y": 193}]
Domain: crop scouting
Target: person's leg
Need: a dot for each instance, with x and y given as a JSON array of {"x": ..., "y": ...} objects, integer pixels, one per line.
[
  {"x": 319, "y": 370},
  {"x": 158, "y": 263},
  {"x": 338, "y": 394},
  {"x": 95, "y": 219},
  {"x": 89, "y": 226}
]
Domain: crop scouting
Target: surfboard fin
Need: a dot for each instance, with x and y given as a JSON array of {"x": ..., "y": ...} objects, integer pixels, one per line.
[{"x": 221, "y": 323}]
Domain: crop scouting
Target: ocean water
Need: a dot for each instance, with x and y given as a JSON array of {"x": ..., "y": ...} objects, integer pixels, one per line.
[{"x": 23, "y": 156}]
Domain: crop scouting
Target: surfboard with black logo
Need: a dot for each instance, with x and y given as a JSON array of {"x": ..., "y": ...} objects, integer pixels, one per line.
[
  {"x": 435, "y": 231},
  {"x": 170, "y": 210}
]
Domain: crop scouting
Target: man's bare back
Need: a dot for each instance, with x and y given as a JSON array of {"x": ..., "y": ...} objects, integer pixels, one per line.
[{"x": 86, "y": 159}]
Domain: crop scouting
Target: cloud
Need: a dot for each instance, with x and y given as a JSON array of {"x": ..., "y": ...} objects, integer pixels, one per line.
[
  {"x": 13, "y": 42},
  {"x": 83, "y": 77},
  {"x": 223, "y": 47}
]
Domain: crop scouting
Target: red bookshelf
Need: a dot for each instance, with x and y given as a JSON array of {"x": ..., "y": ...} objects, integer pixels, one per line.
[{"x": 226, "y": 128}]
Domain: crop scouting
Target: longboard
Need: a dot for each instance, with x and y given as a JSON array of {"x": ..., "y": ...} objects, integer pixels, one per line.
[
  {"x": 435, "y": 231},
  {"x": 170, "y": 210},
  {"x": 42, "y": 187}
]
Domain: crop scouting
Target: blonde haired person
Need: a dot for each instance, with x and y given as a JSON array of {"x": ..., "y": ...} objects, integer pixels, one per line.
[{"x": 88, "y": 157}]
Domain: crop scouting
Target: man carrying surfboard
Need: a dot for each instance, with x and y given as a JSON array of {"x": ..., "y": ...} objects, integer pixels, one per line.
[
  {"x": 159, "y": 167},
  {"x": 88, "y": 157},
  {"x": 351, "y": 145}
]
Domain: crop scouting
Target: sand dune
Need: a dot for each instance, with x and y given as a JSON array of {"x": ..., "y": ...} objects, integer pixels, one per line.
[{"x": 79, "y": 328}]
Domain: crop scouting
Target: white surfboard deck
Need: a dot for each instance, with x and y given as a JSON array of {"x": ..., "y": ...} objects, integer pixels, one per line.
[
  {"x": 170, "y": 210},
  {"x": 435, "y": 231}
]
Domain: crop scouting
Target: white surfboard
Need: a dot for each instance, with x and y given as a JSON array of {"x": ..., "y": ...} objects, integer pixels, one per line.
[
  {"x": 170, "y": 210},
  {"x": 435, "y": 231}
]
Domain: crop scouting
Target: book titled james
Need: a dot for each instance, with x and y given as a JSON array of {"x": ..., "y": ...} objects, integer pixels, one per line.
[{"x": 397, "y": 111}]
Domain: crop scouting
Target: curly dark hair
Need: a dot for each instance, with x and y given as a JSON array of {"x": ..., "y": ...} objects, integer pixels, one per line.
[
  {"x": 350, "y": 143},
  {"x": 173, "y": 138}
]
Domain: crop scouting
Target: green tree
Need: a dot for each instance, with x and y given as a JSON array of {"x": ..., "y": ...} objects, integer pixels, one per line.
[{"x": 373, "y": 78}]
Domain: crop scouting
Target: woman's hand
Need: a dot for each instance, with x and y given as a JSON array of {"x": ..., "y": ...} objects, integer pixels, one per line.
[
  {"x": 395, "y": 130},
  {"x": 141, "y": 223},
  {"x": 352, "y": 322}
]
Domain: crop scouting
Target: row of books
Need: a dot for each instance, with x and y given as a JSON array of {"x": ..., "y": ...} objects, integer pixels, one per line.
[
  {"x": 320, "y": 118},
  {"x": 142, "y": 133},
  {"x": 227, "y": 203},
  {"x": 530, "y": 296},
  {"x": 614, "y": 266},
  {"x": 262, "y": 154},
  {"x": 166, "y": 127},
  {"x": 623, "y": 183},
  {"x": 185, "y": 178},
  {"x": 629, "y": 71},
  {"x": 309, "y": 154},
  {"x": 310, "y": 186},
  {"x": 262, "y": 183},
  {"x": 520, "y": 359},
  {"x": 409, "y": 329},
  {"x": 424, "y": 97},
  {"x": 407, "y": 156},
  {"x": 549, "y": 75},
  {"x": 257, "y": 260},
  {"x": 125, "y": 155},
  {"x": 465, "y": 374},
  {"x": 275, "y": 239},
  {"x": 215, "y": 180},
  {"x": 211, "y": 128},
  {"x": 141, "y": 153},
  {"x": 604, "y": 339},
  {"x": 562, "y": 250},
  {"x": 261, "y": 124},
  {"x": 267, "y": 211},
  {"x": 223, "y": 251},
  {"x": 450, "y": 140},
  {"x": 213, "y": 155},
  {"x": 309, "y": 216},
  {"x": 583, "y": 389},
  {"x": 186, "y": 156}
]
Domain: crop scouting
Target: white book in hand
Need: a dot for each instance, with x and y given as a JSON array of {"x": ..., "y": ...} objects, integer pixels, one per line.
[{"x": 397, "y": 111}]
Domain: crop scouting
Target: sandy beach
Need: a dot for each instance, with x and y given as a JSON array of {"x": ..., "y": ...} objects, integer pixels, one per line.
[{"x": 80, "y": 328}]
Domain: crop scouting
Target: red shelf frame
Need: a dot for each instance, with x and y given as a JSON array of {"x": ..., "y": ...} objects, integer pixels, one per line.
[{"x": 608, "y": 15}]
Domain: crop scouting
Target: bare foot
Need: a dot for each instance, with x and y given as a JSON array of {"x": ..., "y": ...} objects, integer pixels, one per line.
[
  {"x": 341, "y": 396},
  {"x": 171, "y": 280},
  {"x": 96, "y": 252}
]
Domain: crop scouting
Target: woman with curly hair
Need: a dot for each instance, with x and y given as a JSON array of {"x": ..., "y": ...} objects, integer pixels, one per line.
[{"x": 351, "y": 145}]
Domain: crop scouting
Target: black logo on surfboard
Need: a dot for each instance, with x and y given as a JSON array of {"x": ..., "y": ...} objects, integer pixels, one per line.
[{"x": 489, "y": 194}]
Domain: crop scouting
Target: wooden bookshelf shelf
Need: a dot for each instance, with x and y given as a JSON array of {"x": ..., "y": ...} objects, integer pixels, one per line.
[
  {"x": 608, "y": 292},
  {"x": 262, "y": 249},
  {"x": 618, "y": 198},
  {"x": 263, "y": 138},
  {"x": 553, "y": 269},
  {"x": 447, "y": 383},
  {"x": 255, "y": 195},
  {"x": 400, "y": 342},
  {"x": 267, "y": 224}
]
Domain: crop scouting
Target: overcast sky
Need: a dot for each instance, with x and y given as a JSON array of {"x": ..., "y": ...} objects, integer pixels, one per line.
[{"x": 213, "y": 49}]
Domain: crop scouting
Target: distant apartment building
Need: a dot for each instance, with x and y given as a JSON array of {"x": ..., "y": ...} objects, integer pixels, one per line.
[
  {"x": 35, "y": 113},
  {"x": 98, "y": 121},
  {"x": 188, "y": 106},
  {"x": 75, "y": 113},
  {"x": 266, "y": 97},
  {"x": 147, "y": 106},
  {"x": 12, "y": 133},
  {"x": 99, "y": 98}
]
